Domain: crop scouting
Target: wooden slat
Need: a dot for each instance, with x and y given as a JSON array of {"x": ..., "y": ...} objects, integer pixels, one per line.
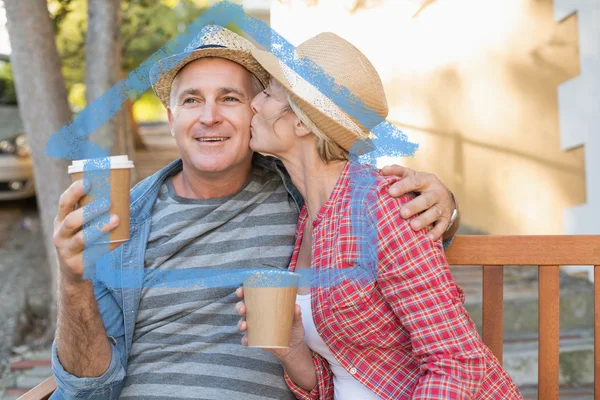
[
  {"x": 41, "y": 391},
  {"x": 493, "y": 308},
  {"x": 525, "y": 250},
  {"x": 597, "y": 332},
  {"x": 549, "y": 332}
]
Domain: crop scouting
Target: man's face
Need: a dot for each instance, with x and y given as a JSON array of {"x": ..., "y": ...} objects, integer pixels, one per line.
[{"x": 210, "y": 115}]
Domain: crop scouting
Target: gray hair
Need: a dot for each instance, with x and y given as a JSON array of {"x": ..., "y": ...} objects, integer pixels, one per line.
[
  {"x": 172, "y": 99},
  {"x": 257, "y": 86}
]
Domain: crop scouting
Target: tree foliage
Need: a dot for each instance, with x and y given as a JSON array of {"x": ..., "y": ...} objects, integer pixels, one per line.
[
  {"x": 8, "y": 94},
  {"x": 147, "y": 25}
]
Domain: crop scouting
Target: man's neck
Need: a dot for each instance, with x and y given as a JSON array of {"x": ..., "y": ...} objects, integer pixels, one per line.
[{"x": 210, "y": 185}]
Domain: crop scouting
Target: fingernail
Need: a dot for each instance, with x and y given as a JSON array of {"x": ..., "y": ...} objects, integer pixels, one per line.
[
  {"x": 430, "y": 236},
  {"x": 416, "y": 225},
  {"x": 114, "y": 218},
  {"x": 405, "y": 212}
]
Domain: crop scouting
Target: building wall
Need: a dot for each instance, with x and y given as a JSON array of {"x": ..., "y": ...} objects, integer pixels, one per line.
[
  {"x": 579, "y": 117},
  {"x": 259, "y": 9},
  {"x": 475, "y": 84}
]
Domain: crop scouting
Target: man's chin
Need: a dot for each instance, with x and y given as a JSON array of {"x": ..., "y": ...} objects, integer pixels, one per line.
[
  {"x": 211, "y": 167},
  {"x": 214, "y": 163},
  {"x": 209, "y": 164}
]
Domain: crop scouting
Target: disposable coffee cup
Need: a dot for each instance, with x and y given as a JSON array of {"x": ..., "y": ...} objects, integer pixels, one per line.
[
  {"x": 270, "y": 298},
  {"x": 119, "y": 179}
]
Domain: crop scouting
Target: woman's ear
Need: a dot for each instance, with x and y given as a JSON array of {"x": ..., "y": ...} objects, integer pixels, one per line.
[{"x": 300, "y": 128}]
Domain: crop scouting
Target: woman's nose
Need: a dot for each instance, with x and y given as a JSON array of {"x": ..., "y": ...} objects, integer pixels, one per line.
[{"x": 254, "y": 103}]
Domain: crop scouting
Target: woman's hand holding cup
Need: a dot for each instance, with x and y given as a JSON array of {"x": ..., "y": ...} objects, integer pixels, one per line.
[{"x": 297, "y": 344}]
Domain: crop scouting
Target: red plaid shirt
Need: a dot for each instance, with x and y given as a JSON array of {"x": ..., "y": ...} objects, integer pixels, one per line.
[{"x": 405, "y": 333}]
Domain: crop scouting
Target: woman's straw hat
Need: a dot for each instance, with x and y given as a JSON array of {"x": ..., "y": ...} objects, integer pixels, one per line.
[
  {"x": 349, "y": 68},
  {"x": 213, "y": 41}
]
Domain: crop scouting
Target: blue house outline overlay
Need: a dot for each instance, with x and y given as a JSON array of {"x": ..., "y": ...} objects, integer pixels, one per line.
[{"x": 71, "y": 143}]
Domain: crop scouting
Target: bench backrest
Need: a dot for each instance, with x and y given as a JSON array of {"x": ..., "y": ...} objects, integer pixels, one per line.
[{"x": 493, "y": 253}]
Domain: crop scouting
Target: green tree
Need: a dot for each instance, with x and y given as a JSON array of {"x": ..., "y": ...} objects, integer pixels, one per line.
[
  {"x": 43, "y": 108},
  {"x": 48, "y": 60},
  {"x": 146, "y": 25},
  {"x": 8, "y": 95}
]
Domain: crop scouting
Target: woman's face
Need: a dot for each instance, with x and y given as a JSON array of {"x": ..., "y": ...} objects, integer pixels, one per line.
[{"x": 272, "y": 127}]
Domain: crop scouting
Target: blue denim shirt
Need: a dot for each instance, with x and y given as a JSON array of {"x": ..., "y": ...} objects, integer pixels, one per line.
[
  {"x": 118, "y": 303},
  {"x": 118, "y": 289}
]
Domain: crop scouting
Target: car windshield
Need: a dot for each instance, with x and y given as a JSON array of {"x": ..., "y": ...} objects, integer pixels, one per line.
[{"x": 11, "y": 122}]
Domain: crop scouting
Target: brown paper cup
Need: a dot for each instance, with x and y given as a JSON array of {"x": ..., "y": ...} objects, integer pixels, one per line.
[
  {"x": 120, "y": 184},
  {"x": 270, "y": 298}
]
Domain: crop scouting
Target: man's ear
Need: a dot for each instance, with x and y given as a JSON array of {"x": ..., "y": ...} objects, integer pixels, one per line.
[
  {"x": 300, "y": 128},
  {"x": 171, "y": 118}
]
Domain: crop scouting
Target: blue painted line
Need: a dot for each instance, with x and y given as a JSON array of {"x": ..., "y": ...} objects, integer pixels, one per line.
[{"x": 71, "y": 143}]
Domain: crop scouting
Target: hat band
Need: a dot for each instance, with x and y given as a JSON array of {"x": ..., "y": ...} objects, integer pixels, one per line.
[
  {"x": 315, "y": 98},
  {"x": 210, "y": 46}
]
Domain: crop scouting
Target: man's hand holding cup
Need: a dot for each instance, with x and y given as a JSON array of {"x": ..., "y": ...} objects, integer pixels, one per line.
[{"x": 84, "y": 220}]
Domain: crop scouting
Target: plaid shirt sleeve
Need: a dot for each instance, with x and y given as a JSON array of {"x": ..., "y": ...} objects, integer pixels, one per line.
[
  {"x": 324, "y": 388},
  {"x": 415, "y": 280}
]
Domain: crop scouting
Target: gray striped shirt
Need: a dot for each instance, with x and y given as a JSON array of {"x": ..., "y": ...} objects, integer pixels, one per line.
[{"x": 186, "y": 343}]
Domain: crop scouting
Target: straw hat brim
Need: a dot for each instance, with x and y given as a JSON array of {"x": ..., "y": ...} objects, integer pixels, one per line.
[
  {"x": 341, "y": 135},
  {"x": 162, "y": 86}
]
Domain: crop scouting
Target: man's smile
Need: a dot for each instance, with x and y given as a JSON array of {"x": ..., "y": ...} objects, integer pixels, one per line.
[{"x": 215, "y": 139}]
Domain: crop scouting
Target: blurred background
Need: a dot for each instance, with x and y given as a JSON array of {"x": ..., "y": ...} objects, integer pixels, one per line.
[{"x": 501, "y": 95}]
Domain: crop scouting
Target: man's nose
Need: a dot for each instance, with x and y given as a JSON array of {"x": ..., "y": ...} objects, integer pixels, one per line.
[{"x": 210, "y": 114}]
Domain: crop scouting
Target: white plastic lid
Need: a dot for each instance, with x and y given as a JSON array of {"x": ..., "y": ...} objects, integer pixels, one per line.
[{"x": 116, "y": 162}]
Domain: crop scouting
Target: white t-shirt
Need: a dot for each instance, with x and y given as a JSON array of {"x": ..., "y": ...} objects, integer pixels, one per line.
[{"x": 345, "y": 386}]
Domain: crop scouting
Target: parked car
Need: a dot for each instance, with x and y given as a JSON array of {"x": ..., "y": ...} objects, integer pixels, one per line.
[{"x": 16, "y": 167}]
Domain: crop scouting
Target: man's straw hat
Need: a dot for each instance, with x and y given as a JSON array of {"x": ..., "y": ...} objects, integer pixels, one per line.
[
  {"x": 213, "y": 41},
  {"x": 348, "y": 67}
]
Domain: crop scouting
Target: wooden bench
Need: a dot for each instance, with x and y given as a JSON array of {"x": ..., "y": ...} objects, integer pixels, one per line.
[
  {"x": 494, "y": 253},
  {"x": 42, "y": 391},
  {"x": 548, "y": 253}
]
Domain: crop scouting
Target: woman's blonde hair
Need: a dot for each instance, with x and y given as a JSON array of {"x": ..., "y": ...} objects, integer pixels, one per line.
[{"x": 328, "y": 149}]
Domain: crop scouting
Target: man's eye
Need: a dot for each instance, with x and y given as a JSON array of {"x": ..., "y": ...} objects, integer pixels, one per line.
[
  {"x": 229, "y": 98},
  {"x": 189, "y": 101}
]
